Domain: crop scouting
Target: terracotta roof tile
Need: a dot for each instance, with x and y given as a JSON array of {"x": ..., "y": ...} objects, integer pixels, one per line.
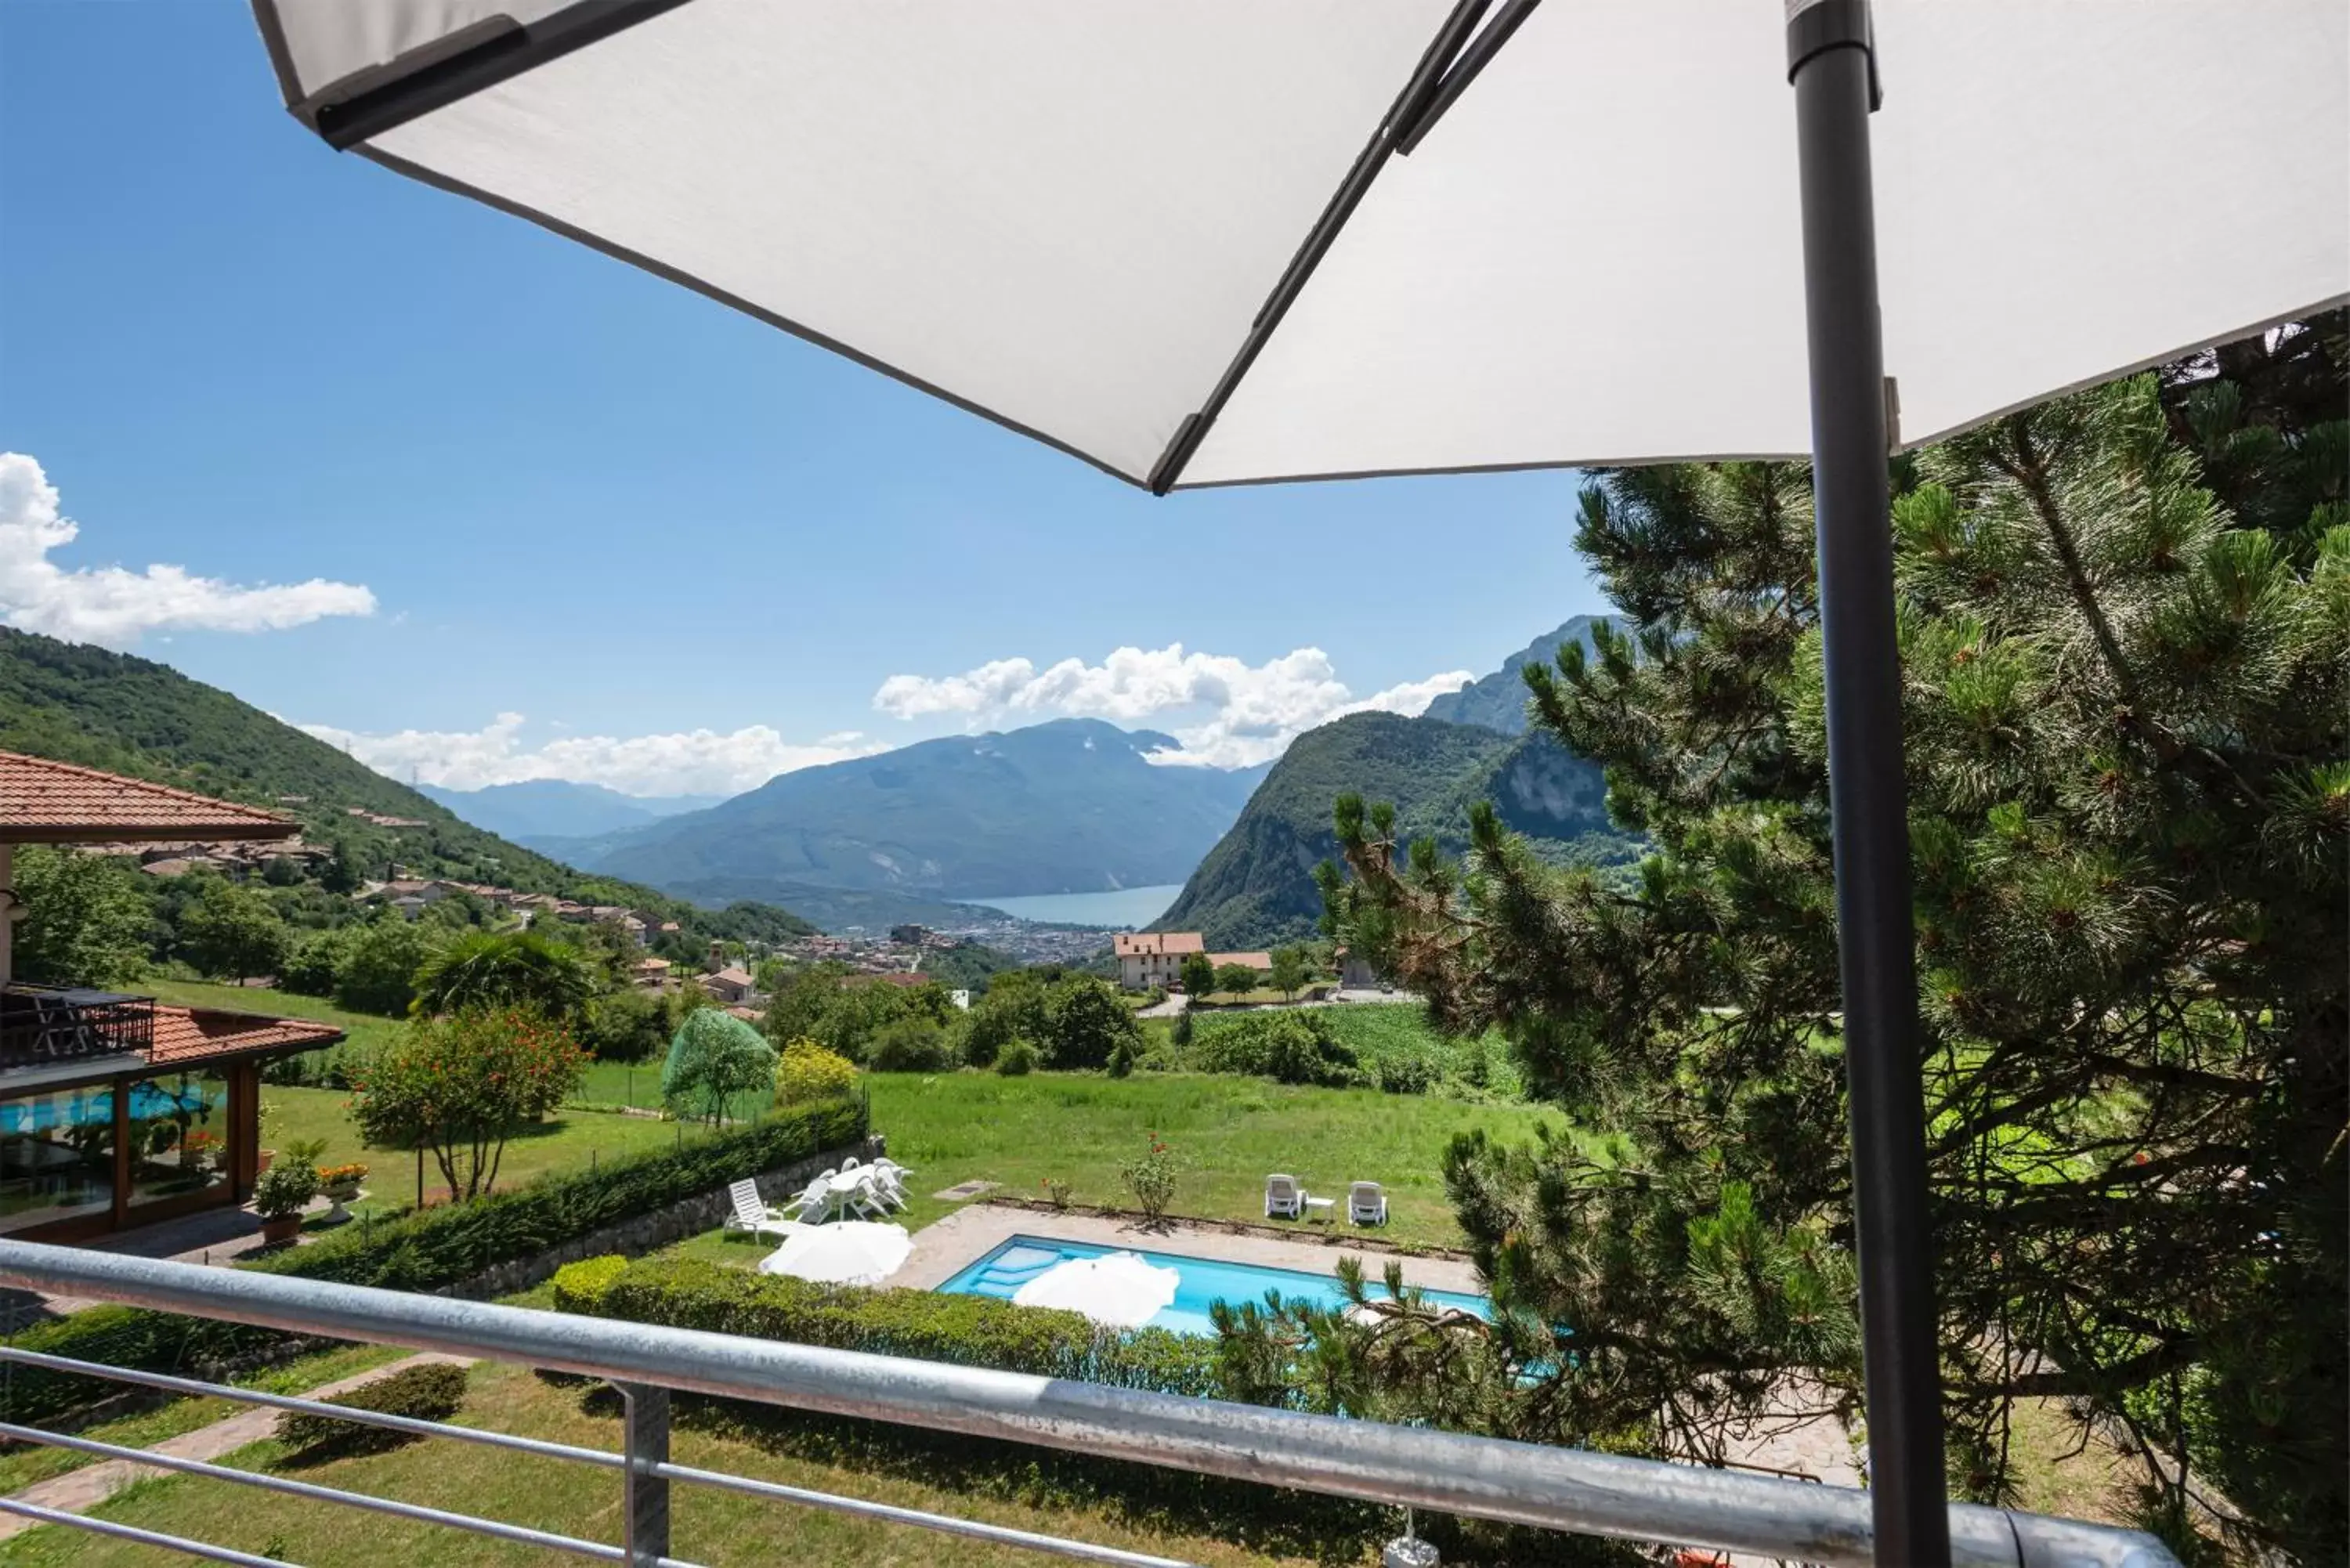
[
  {"x": 1147, "y": 944},
  {"x": 189, "y": 1035},
  {"x": 42, "y": 801}
]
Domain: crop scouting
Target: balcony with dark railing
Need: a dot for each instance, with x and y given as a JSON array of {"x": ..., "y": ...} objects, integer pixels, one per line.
[
  {"x": 1556, "y": 1489},
  {"x": 50, "y": 1026}
]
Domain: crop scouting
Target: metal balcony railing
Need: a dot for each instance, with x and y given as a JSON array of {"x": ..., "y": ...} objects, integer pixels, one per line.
[
  {"x": 41, "y": 1026},
  {"x": 1549, "y": 1488}
]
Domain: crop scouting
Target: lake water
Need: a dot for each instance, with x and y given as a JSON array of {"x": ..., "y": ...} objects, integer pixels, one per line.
[{"x": 1125, "y": 907}]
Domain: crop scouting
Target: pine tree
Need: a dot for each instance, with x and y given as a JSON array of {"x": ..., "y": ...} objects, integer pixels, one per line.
[{"x": 2125, "y": 621}]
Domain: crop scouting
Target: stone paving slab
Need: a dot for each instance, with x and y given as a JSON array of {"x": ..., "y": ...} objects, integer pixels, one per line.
[{"x": 78, "y": 1491}]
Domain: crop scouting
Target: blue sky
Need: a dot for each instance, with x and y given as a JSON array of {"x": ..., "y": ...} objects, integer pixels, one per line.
[{"x": 564, "y": 490}]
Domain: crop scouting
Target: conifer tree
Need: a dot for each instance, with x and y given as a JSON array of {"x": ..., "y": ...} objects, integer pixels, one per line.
[{"x": 2125, "y": 623}]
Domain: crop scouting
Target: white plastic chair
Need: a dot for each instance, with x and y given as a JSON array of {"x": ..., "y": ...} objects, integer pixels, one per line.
[
  {"x": 1284, "y": 1196},
  {"x": 814, "y": 1199},
  {"x": 1367, "y": 1203}
]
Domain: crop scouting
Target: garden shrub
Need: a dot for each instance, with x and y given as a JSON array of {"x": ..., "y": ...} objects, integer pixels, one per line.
[
  {"x": 1290, "y": 1047},
  {"x": 966, "y": 1331},
  {"x": 427, "y": 1250},
  {"x": 806, "y": 1072},
  {"x": 1400, "y": 1075},
  {"x": 1018, "y": 1058},
  {"x": 580, "y": 1287},
  {"x": 913, "y": 1045},
  {"x": 432, "y": 1391}
]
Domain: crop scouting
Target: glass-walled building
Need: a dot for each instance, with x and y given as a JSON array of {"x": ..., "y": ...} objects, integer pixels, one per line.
[{"x": 115, "y": 1110}]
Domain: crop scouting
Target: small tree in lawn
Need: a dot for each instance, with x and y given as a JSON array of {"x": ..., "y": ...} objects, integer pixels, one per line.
[
  {"x": 1238, "y": 979},
  {"x": 234, "y": 931},
  {"x": 461, "y": 1085},
  {"x": 1289, "y": 972},
  {"x": 1198, "y": 974},
  {"x": 715, "y": 1057}
]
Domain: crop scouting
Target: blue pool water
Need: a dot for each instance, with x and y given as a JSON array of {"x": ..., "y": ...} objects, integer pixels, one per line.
[{"x": 1200, "y": 1280}]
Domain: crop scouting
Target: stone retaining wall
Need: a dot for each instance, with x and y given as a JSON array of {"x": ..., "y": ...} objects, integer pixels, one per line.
[{"x": 647, "y": 1233}]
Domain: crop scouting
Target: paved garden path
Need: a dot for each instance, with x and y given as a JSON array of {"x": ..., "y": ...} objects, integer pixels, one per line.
[{"x": 78, "y": 1491}]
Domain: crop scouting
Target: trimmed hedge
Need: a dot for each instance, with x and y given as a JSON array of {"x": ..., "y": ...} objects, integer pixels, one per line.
[
  {"x": 979, "y": 1330},
  {"x": 967, "y": 1330},
  {"x": 430, "y": 1249},
  {"x": 433, "y": 1391}
]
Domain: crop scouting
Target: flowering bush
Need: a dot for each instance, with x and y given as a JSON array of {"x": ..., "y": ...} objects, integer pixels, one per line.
[
  {"x": 1151, "y": 1179},
  {"x": 806, "y": 1072},
  {"x": 1056, "y": 1189},
  {"x": 350, "y": 1174},
  {"x": 462, "y": 1085}
]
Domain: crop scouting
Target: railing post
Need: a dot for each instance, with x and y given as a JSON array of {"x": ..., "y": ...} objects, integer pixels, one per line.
[{"x": 644, "y": 1510}]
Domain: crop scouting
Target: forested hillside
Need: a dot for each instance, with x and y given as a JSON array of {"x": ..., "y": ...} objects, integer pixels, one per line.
[
  {"x": 1256, "y": 887},
  {"x": 129, "y": 715}
]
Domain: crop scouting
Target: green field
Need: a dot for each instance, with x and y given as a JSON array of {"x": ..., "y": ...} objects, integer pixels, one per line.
[
  {"x": 1229, "y": 1133},
  {"x": 710, "y": 1526}
]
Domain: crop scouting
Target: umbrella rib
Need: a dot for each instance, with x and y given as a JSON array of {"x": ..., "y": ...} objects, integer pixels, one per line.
[
  {"x": 502, "y": 51},
  {"x": 1426, "y": 81},
  {"x": 1474, "y": 59}
]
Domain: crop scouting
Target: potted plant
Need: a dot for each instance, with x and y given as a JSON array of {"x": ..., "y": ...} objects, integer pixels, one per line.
[
  {"x": 340, "y": 1184},
  {"x": 280, "y": 1196}
]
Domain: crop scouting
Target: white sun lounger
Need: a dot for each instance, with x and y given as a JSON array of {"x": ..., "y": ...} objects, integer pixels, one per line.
[
  {"x": 1284, "y": 1196},
  {"x": 752, "y": 1214},
  {"x": 1367, "y": 1203}
]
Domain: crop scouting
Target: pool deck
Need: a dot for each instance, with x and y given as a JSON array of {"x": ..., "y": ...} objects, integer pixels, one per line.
[{"x": 943, "y": 1249}]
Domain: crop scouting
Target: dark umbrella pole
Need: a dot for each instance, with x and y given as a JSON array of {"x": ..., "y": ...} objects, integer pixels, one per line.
[{"x": 1831, "y": 62}]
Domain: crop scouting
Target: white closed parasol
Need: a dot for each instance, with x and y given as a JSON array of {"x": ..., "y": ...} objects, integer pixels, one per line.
[
  {"x": 854, "y": 1253},
  {"x": 1117, "y": 1290}
]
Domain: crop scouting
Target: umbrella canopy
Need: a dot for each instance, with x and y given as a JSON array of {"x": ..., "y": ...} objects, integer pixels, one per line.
[
  {"x": 855, "y": 1253},
  {"x": 1117, "y": 1290},
  {"x": 1094, "y": 223},
  {"x": 1212, "y": 241}
]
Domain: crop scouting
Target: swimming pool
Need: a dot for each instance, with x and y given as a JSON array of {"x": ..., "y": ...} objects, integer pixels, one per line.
[{"x": 1200, "y": 1280}]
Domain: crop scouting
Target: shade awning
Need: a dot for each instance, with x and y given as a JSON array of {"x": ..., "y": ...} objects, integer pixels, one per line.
[{"x": 1073, "y": 217}]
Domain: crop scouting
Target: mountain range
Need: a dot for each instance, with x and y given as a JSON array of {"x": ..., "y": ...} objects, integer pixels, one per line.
[
  {"x": 1075, "y": 806},
  {"x": 1498, "y": 701},
  {"x": 558, "y": 809},
  {"x": 1256, "y": 888}
]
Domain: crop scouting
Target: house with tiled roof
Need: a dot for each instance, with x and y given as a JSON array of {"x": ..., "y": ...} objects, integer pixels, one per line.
[
  {"x": 117, "y": 1110},
  {"x": 1146, "y": 959}
]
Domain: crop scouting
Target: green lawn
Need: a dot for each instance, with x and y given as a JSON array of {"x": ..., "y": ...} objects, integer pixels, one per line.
[
  {"x": 21, "y": 1467},
  {"x": 571, "y": 1141},
  {"x": 714, "y": 1527},
  {"x": 1229, "y": 1133}
]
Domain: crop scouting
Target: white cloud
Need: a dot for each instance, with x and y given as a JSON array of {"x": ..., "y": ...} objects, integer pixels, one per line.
[
  {"x": 694, "y": 762},
  {"x": 113, "y": 606},
  {"x": 1227, "y": 712}
]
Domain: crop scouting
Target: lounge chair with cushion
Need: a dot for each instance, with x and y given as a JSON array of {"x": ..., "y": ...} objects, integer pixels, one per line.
[
  {"x": 1367, "y": 1203},
  {"x": 1284, "y": 1196}
]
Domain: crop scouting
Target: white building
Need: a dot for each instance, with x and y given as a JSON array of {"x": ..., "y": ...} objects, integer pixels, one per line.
[{"x": 1146, "y": 959}]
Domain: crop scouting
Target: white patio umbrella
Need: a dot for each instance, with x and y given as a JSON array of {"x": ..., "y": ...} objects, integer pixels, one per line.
[
  {"x": 1217, "y": 242},
  {"x": 853, "y": 1253},
  {"x": 1118, "y": 1289}
]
